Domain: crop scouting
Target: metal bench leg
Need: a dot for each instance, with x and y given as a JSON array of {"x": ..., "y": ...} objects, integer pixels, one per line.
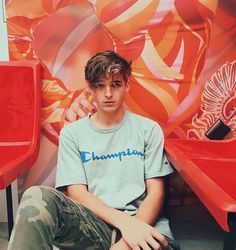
[{"x": 9, "y": 210}]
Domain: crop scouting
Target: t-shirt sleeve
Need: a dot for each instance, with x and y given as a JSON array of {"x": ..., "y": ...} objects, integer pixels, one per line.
[
  {"x": 156, "y": 163},
  {"x": 69, "y": 165}
]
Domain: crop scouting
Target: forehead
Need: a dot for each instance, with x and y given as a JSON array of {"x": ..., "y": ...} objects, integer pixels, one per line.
[{"x": 111, "y": 78}]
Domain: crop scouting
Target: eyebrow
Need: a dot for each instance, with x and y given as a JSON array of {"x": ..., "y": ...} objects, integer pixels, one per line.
[{"x": 101, "y": 81}]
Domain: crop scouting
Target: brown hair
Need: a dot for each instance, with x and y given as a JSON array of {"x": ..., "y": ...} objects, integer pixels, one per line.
[{"x": 106, "y": 64}]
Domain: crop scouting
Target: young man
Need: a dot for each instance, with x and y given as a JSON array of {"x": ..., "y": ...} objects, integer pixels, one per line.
[{"x": 110, "y": 165}]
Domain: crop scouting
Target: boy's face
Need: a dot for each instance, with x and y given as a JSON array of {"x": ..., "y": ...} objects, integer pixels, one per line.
[{"x": 109, "y": 93}]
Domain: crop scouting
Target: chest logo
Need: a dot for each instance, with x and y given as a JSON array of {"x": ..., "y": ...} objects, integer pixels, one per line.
[{"x": 92, "y": 156}]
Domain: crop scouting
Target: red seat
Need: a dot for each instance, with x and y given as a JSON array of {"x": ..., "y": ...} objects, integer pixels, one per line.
[
  {"x": 209, "y": 168},
  {"x": 20, "y": 87},
  {"x": 20, "y": 105}
]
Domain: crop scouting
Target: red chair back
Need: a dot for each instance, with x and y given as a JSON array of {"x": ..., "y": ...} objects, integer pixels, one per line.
[{"x": 20, "y": 105}]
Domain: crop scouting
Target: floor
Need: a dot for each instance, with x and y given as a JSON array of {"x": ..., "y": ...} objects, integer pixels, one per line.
[
  {"x": 200, "y": 233},
  {"x": 191, "y": 235}
]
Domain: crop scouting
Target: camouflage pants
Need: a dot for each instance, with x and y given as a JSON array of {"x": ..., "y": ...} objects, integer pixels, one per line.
[{"x": 47, "y": 217}]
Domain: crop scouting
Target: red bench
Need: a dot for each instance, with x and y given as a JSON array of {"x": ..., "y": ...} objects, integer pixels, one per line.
[
  {"x": 209, "y": 168},
  {"x": 20, "y": 105}
]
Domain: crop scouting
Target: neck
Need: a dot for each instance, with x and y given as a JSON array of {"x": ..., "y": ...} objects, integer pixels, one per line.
[{"x": 107, "y": 120}]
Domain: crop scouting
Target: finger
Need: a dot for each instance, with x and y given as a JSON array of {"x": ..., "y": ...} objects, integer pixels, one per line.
[
  {"x": 76, "y": 108},
  {"x": 85, "y": 92},
  {"x": 86, "y": 104},
  {"x": 145, "y": 246},
  {"x": 83, "y": 101},
  {"x": 80, "y": 112},
  {"x": 153, "y": 243},
  {"x": 160, "y": 237},
  {"x": 95, "y": 104},
  {"x": 71, "y": 116}
]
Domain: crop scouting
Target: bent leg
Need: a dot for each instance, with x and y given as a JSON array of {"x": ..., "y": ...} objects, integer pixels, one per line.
[
  {"x": 46, "y": 216},
  {"x": 34, "y": 223},
  {"x": 81, "y": 229}
]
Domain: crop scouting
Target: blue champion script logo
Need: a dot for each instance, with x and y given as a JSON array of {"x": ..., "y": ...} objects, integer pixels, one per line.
[{"x": 91, "y": 156}]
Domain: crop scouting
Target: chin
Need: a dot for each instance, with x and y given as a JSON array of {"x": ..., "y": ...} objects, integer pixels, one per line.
[{"x": 110, "y": 109}]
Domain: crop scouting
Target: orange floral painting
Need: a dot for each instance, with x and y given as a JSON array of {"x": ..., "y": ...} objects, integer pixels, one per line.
[{"x": 183, "y": 57}]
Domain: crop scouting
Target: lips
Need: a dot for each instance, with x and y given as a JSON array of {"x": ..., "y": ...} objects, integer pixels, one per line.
[{"x": 109, "y": 102}]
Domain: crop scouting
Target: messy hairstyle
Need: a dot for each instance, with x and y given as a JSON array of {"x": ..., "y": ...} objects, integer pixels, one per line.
[{"x": 106, "y": 64}]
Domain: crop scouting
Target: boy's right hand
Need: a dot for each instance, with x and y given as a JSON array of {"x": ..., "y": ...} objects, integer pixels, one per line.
[
  {"x": 120, "y": 245},
  {"x": 139, "y": 235}
]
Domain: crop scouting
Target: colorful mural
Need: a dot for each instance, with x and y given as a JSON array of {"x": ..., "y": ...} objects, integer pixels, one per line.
[{"x": 183, "y": 59}]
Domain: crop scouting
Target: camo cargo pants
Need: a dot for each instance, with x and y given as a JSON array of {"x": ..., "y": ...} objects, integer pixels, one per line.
[{"x": 47, "y": 217}]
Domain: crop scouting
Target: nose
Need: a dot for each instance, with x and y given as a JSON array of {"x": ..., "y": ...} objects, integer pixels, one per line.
[{"x": 108, "y": 91}]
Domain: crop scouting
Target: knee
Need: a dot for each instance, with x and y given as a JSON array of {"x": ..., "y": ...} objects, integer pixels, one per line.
[
  {"x": 36, "y": 202},
  {"x": 37, "y": 196},
  {"x": 30, "y": 194},
  {"x": 37, "y": 193}
]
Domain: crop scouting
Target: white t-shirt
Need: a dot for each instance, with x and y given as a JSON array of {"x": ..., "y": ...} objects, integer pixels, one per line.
[{"x": 113, "y": 163}]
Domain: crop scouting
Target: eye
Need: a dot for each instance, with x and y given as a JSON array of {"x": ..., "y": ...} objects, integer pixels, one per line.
[
  {"x": 116, "y": 84},
  {"x": 99, "y": 85}
]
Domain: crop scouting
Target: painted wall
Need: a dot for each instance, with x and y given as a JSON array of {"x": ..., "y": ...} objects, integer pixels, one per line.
[{"x": 184, "y": 64}]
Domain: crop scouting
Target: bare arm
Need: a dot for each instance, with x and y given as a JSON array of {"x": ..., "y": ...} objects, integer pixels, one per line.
[
  {"x": 152, "y": 205},
  {"x": 136, "y": 234},
  {"x": 149, "y": 210},
  {"x": 97, "y": 206}
]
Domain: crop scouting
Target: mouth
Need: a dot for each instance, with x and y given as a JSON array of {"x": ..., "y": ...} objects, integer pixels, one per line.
[{"x": 109, "y": 102}]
